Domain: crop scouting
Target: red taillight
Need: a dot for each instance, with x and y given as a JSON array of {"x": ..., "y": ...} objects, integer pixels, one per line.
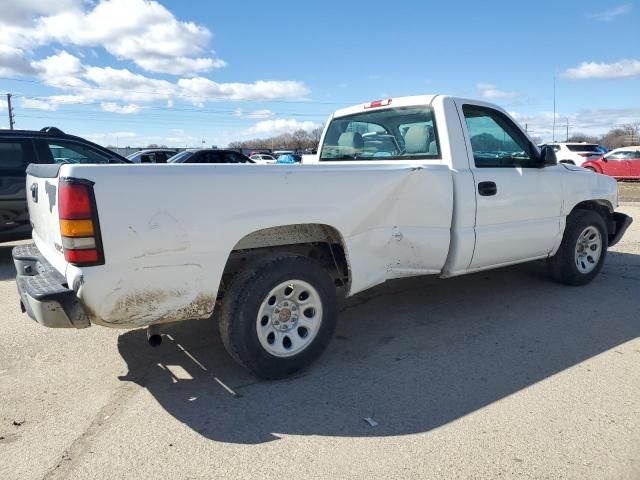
[
  {"x": 78, "y": 257},
  {"x": 79, "y": 223},
  {"x": 74, "y": 201},
  {"x": 378, "y": 103}
]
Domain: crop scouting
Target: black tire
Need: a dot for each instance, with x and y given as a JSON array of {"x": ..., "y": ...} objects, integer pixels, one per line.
[
  {"x": 563, "y": 266},
  {"x": 592, "y": 169},
  {"x": 243, "y": 299}
]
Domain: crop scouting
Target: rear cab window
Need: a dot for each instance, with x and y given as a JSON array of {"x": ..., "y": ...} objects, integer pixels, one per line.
[{"x": 401, "y": 133}]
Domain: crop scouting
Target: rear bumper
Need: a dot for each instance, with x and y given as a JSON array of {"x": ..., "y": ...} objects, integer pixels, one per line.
[
  {"x": 44, "y": 293},
  {"x": 622, "y": 222}
]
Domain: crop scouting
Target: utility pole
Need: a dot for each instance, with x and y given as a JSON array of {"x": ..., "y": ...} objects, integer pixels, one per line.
[
  {"x": 10, "y": 109},
  {"x": 554, "y": 108},
  {"x": 567, "y": 130}
]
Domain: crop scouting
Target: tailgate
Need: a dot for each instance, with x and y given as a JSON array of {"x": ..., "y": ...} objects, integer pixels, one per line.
[{"x": 42, "y": 201}]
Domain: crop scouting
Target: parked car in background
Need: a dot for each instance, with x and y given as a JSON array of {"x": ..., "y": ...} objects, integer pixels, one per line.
[
  {"x": 277, "y": 153},
  {"x": 289, "y": 158},
  {"x": 19, "y": 148},
  {"x": 622, "y": 163},
  {"x": 286, "y": 159},
  {"x": 576, "y": 153},
  {"x": 210, "y": 155},
  {"x": 152, "y": 155},
  {"x": 263, "y": 158}
]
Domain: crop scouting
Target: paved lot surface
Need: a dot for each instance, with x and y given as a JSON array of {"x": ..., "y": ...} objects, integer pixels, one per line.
[
  {"x": 629, "y": 191},
  {"x": 501, "y": 374}
]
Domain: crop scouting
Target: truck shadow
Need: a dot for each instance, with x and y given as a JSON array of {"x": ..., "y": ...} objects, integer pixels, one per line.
[{"x": 414, "y": 355}]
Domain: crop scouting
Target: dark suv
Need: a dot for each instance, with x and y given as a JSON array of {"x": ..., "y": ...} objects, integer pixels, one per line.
[{"x": 19, "y": 148}]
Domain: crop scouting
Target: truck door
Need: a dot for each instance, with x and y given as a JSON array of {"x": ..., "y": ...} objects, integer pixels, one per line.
[{"x": 518, "y": 205}]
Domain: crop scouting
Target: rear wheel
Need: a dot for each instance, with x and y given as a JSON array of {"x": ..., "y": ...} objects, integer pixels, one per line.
[
  {"x": 278, "y": 315},
  {"x": 583, "y": 249}
]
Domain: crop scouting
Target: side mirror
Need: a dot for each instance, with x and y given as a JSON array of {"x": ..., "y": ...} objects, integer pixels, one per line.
[{"x": 547, "y": 156}]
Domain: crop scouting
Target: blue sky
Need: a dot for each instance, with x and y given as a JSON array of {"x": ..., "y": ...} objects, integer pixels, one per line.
[{"x": 134, "y": 72}]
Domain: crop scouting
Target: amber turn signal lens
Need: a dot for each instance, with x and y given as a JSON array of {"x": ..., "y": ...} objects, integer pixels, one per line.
[{"x": 76, "y": 228}]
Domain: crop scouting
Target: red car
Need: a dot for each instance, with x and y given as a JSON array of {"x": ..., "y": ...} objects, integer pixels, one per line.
[{"x": 620, "y": 163}]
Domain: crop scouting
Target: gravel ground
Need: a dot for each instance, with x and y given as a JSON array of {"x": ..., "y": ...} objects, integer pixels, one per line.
[{"x": 501, "y": 374}]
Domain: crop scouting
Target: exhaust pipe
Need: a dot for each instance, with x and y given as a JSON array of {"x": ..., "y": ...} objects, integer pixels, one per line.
[{"x": 154, "y": 337}]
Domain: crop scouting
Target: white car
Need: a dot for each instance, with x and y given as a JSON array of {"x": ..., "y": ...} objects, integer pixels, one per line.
[
  {"x": 269, "y": 249},
  {"x": 576, "y": 153},
  {"x": 263, "y": 158}
]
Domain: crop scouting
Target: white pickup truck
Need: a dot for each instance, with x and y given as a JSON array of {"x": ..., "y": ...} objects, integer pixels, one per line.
[{"x": 402, "y": 187}]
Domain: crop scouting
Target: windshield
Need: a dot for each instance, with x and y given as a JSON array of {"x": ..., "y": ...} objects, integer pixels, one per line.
[
  {"x": 180, "y": 157},
  {"x": 403, "y": 133}
]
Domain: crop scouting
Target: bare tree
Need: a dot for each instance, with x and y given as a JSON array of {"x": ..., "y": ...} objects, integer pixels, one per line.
[
  {"x": 582, "y": 137},
  {"x": 299, "y": 140}
]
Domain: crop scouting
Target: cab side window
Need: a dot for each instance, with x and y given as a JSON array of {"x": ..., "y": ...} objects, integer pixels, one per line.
[
  {"x": 495, "y": 140},
  {"x": 70, "y": 152}
]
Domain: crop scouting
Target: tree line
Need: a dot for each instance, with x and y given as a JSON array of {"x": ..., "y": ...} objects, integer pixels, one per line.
[
  {"x": 623, "y": 136},
  {"x": 298, "y": 141}
]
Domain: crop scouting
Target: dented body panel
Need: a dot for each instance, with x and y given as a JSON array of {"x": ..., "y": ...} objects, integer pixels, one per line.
[
  {"x": 169, "y": 230},
  {"x": 393, "y": 220}
]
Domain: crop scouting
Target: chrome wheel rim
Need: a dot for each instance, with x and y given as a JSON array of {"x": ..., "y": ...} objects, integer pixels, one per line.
[
  {"x": 289, "y": 318},
  {"x": 588, "y": 249}
]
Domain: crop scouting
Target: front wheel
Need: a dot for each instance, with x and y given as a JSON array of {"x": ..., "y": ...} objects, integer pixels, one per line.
[
  {"x": 591, "y": 168},
  {"x": 583, "y": 249},
  {"x": 278, "y": 315}
]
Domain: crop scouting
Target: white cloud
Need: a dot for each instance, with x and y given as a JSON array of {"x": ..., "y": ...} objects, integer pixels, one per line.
[
  {"x": 13, "y": 61},
  {"x": 38, "y": 104},
  {"x": 88, "y": 84},
  {"x": 490, "y": 92},
  {"x": 117, "y": 108},
  {"x": 263, "y": 113},
  {"x": 126, "y": 85},
  {"x": 623, "y": 69},
  {"x": 612, "y": 13},
  {"x": 275, "y": 127},
  {"x": 201, "y": 89},
  {"x": 179, "y": 65},
  {"x": 592, "y": 121},
  {"x": 24, "y": 11},
  {"x": 60, "y": 69},
  {"x": 142, "y": 31}
]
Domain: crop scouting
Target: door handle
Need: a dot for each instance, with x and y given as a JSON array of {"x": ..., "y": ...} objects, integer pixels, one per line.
[
  {"x": 486, "y": 189},
  {"x": 34, "y": 192}
]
